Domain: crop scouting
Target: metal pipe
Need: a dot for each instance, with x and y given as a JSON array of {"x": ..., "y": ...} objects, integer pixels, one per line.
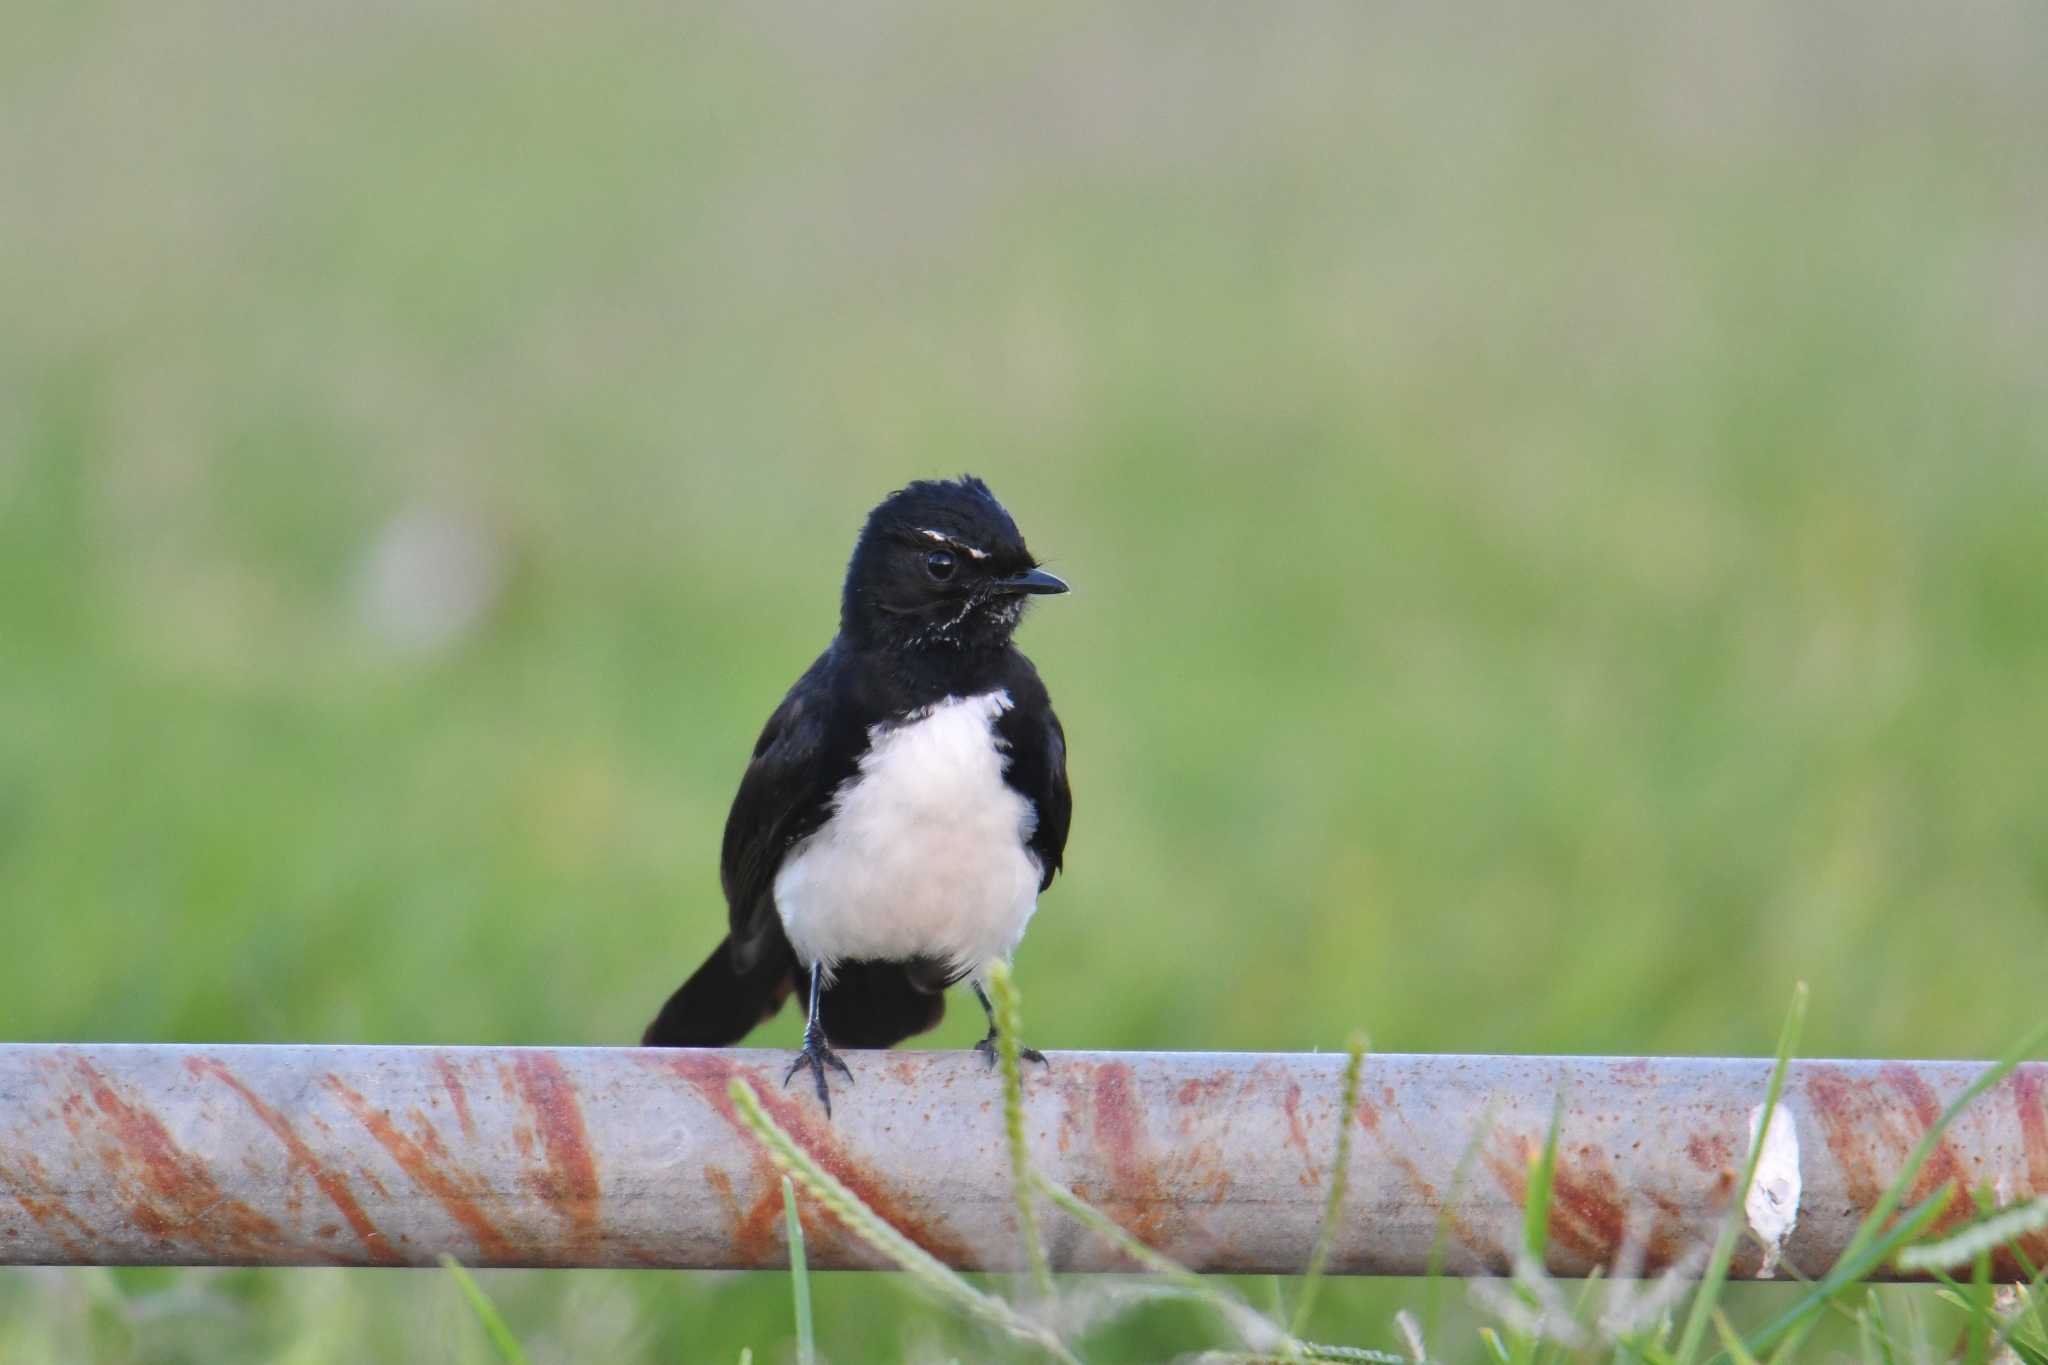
[{"x": 125, "y": 1154}]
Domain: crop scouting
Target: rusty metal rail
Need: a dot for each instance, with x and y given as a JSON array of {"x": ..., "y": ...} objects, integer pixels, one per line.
[{"x": 628, "y": 1157}]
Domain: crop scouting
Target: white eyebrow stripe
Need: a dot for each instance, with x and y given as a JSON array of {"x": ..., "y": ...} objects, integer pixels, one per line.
[{"x": 960, "y": 545}]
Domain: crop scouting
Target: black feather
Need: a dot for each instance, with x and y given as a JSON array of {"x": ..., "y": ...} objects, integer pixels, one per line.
[{"x": 1038, "y": 765}]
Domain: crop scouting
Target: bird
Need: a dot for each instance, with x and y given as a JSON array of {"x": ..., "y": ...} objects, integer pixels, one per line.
[{"x": 906, "y": 804}]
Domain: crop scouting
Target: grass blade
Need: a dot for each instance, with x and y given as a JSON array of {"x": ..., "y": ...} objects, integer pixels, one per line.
[
  {"x": 800, "y": 1278},
  {"x": 1333, "y": 1208},
  {"x": 1542, "y": 1176},
  {"x": 500, "y": 1335},
  {"x": 1729, "y": 1340},
  {"x": 1874, "y": 1331},
  {"x": 1008, "y": 1025}
]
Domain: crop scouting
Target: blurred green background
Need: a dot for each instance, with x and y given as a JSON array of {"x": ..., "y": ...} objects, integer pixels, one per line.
[{"x": 1558, "y": 505}]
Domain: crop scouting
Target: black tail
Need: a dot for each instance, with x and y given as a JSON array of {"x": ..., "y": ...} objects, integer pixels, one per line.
[{"x": 719, "y": 1004}]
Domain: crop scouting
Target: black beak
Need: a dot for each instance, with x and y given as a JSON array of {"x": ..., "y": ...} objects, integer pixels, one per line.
[{"x": 1036, "y": 581}]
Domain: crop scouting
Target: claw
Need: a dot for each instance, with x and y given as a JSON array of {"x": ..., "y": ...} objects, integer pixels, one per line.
[
  {"x": 987, "y": 1048},
  {"x": 817, "y": 1056}
]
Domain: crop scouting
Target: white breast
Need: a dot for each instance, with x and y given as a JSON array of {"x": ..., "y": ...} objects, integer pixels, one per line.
[{"x": 924, "y": 854}]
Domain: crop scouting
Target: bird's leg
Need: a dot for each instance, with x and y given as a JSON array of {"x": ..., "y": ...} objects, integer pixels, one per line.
[
  {"x": 987, "y": 1046},
  {"x": 815, "y": 1054}
]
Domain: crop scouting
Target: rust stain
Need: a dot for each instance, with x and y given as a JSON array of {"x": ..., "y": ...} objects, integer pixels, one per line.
[
  {"x": 709, "y": 1075},
  {"x": 1197, "y": 1089},
  {"x": 1667, "y": 1233},
  {"x": 720, "y": 1184},
  {"x": 451, "y": 1081},
  {"x": 1587, "y": 1212},
  {"x": 31, "y": 1189},
  {"x": 1119, "y": 1134},
  {"x": 2033, "y": 1116},
  {"x": 802, "y": 1119},
  {"x": 414, "y": 1160},
  {"x": 429, "y": 1136},
  {"x": 331, "y": 1183},
  {"x": 1510, "y": 1168},
  {"x": 1588, "y": 1207},
  {"x": 1710, "y": 1153},
  {"x": 1848, "y": 1123},
  {"x": 1869, "y": 1142},
  {"x": 1942, "y": 1166},
  {"x": 1636, "y": 1072},
  {"x": 754, "y": 1228},
  {"x": 1297, "y": 1135},
  {"x": 2026, "y": 1085},
  {"x": 754, "y": 1232},
  {"x": 173, "y": 1192},
  {"x": 1150, "y": 1187},
  {"x": 569, "y": 1183}
]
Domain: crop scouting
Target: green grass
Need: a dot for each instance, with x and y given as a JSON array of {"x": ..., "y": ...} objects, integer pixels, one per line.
[
  {"x": 510, "y": 1352},
  {"x": 799, "y": 1278},
  {"x": 1555, "y": 504}
]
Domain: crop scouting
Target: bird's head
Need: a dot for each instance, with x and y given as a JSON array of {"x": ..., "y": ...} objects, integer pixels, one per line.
[{"x": 940, "y": 566}]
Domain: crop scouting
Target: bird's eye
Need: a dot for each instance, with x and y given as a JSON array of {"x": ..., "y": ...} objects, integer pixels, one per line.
[{"x": 939, "y": 564}]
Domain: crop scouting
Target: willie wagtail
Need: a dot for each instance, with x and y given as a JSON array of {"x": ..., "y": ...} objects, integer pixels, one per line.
[{"x": 906, "y": 803}]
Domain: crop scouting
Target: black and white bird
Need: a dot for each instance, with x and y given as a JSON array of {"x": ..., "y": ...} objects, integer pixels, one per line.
[{"x": 905, "y": 805}]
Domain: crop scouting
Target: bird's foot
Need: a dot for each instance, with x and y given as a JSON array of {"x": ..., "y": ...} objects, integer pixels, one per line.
[
  {"x": 987, "y": 1048},
  {"x": 817, "y": 1057}
]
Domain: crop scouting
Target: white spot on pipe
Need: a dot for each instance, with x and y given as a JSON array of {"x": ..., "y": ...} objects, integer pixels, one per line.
[{"x": 1773, "y": 1202}]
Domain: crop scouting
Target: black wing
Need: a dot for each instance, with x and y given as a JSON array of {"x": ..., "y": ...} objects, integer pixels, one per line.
[
  {"x": 1038, "y": 765},
  {"x": 786, "y": 795}
]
